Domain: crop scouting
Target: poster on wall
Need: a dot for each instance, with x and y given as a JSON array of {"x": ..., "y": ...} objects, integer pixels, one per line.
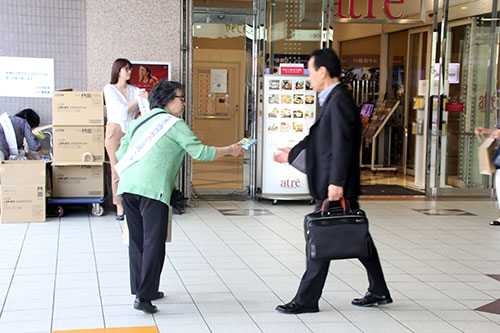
[
  {"x": 218, "y": 81},
  {"x": 26, "y": 77},
  {"x": 289, "y": 112},
  {"x": 146, "y": 74}
]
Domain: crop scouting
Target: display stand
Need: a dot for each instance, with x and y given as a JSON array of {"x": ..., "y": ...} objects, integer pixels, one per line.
[
  {"x": 381, "y": 115},
  {"x": 289, "y": 111}
]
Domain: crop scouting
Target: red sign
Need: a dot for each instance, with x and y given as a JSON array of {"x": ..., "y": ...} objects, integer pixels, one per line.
[
  {"x": 353, "y": 14},
  {"x": 289, "y": 70},
  {"x": 454, "y": 107}
]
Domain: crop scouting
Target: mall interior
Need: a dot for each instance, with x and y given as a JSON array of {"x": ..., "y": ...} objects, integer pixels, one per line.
[{"x": 423, "y": 73}]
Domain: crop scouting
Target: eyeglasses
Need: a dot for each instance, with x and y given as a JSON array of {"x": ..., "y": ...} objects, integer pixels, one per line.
[{"x": 181, "y": 98}]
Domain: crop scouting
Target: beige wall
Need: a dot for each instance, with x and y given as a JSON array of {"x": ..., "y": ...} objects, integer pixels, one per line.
[{"x": 146, "y": 30}]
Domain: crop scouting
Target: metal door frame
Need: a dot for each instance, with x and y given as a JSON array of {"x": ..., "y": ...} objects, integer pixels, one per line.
[
  {"x": 414, "y": 31},
  {"x": 257, "y": 16}
]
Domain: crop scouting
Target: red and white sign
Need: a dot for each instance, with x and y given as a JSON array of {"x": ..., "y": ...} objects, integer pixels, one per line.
[
  {"x": 292, "y": 69},
  {"x": 454, "y": 107}
]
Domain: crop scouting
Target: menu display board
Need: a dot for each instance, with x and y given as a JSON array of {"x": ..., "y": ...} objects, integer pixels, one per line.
[
  {"x": 381, "y": 114},
  {"x": 289, "y": 110}
]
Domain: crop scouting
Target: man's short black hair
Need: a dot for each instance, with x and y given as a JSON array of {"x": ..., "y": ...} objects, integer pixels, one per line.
[
  {"x": 163, "y": 93},
  {"x": 328, "y": 58},
  {"x": 31, "y": 117}
]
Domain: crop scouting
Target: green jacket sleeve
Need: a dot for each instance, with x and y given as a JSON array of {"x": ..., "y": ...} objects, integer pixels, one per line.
[{"x": 181, "y": 133}]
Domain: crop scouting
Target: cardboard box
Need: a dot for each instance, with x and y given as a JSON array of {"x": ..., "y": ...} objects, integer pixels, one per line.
[
  {"x": 70, "y": 181},
  {"x": 23, "y": 191},
  {"x": 78, "y": 144},
  {"x": 80, "y": 108}
]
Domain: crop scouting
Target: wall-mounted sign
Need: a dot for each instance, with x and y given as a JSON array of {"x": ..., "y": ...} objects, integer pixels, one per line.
[
  {"x": 454, "y": 73},
  {"x": 454, "y": 107},
  {"x": 369, "y": 11},
  {"x": 26, "y": 77},
  {"x": 145, "y": 74},
  {"x": 218, "y": 80},
  {"x": 361, "y": 61}
]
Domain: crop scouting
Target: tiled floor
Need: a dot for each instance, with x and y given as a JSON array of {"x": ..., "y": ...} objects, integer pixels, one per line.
[{"x": 227, "y": 273}]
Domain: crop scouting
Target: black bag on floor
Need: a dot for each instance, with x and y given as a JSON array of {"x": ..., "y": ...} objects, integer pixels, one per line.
[
  {"x": 178, "y": 201},
  {"x": 337, "y": 233}
]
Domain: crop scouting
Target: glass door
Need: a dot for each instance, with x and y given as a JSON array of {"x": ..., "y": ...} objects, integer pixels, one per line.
[
  {"x": 468, "y": 52},
  {"x": 222, "y": 44},
  {"x": 416, "y": 106}
]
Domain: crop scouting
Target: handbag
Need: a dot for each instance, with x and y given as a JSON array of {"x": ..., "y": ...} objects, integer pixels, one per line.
[
  {"x": 486, "y": 152},
  {"x": 338, "y": 233}
]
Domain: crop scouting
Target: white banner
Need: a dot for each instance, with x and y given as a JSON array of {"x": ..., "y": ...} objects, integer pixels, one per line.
[
  {"x": 26, "y": 77},
  {"x": 289, "y": 112}
]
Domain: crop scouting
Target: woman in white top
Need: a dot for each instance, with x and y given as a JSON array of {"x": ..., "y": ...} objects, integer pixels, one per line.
[{"x": 122, "y": 106}]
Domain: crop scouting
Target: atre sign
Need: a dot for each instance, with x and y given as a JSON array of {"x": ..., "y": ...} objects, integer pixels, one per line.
[{"x": 379, "y": 11}]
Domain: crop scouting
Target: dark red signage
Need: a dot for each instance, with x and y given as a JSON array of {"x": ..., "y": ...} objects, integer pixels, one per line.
[
  {"x": 454, "y": 107},
  {"x": 341, "y": 12}
]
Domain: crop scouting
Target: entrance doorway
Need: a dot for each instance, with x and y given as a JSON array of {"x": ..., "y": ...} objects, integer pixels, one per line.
[
  {"x": 220, "y": 80},
  {"x": 466, "y": 73}
]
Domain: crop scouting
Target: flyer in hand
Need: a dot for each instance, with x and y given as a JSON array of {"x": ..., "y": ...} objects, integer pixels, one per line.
[{"x": 246, "y": 143}]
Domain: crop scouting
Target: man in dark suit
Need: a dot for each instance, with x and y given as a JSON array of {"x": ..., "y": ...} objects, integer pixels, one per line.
[{"x": 331, "y": 156}]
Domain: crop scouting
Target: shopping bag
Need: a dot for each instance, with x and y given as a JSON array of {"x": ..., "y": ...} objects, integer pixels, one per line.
[
  {"x": 337, "y": 234},
  {"x": 486, "y": 150}
]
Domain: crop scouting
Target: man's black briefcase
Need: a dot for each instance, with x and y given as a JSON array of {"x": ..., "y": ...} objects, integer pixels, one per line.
[{"x": 337, "y": 234}]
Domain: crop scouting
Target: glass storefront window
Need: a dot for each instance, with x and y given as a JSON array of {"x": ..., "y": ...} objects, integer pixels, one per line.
[{"x": 294, "y": 31}]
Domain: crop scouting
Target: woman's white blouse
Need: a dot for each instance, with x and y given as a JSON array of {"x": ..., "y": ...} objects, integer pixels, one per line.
[{"x": 117, "y": 105}]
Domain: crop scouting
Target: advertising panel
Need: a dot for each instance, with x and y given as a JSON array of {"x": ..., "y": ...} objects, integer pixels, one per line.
[
  {"x": 146, "y": 74},
  {"x": 289, "y": 112}
]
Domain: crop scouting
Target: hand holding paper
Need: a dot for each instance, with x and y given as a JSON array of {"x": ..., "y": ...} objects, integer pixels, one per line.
[{"x": 246, "y": 143}]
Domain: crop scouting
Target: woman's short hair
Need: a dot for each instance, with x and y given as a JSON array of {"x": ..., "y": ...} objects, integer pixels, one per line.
[
  {"x": 117, "y": 66},
  {"x": 30, "y": 116},
  {"x": 328, "y": 58},
  {"x": 163, "y": 93}
]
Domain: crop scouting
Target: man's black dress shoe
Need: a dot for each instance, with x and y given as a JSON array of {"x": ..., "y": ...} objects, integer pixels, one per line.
[
  {"x": 294, "y": 308},
  {"x": 371, "y": 299},
  {"x": 119, "y": 217},
  {"x": 144, "y": 305},
  {"x": 159, "y": 295}
]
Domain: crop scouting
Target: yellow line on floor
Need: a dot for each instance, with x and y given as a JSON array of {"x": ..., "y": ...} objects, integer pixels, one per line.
[{"x": 145, "y": 329}]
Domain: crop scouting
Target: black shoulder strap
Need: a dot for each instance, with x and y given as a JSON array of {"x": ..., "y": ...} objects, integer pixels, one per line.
[{"x": 143, "y": 122}]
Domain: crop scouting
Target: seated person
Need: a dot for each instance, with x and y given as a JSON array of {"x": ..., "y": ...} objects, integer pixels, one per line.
[{"x": 13, "y": 129}]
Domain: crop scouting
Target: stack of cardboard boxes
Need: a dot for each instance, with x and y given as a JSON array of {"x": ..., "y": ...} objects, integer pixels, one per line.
[
  {"x": 78, "y": 144},
  {"x": 23, "y": 191}
]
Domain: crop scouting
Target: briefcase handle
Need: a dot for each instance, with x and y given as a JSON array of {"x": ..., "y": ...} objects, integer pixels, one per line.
[{"x": 326, "y": 204}]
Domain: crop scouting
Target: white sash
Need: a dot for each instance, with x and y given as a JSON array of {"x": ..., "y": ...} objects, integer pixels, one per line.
[
  {"x": 146, "y": 142},
  {"x": 10, "y": 134}
]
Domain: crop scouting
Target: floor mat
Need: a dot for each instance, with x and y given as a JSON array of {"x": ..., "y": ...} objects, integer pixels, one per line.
[{"x": 388, "y": 190}]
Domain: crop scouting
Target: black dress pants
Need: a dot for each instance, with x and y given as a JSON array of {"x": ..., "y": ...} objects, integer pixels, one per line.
[
  {"x": 313, "y": 280},
  {"x": 147, "y": 221}
]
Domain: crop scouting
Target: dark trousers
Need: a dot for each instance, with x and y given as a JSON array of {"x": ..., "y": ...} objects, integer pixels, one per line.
[
  {"x": 313, "y": 280},
  {"x": 147, "y": 221}
]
